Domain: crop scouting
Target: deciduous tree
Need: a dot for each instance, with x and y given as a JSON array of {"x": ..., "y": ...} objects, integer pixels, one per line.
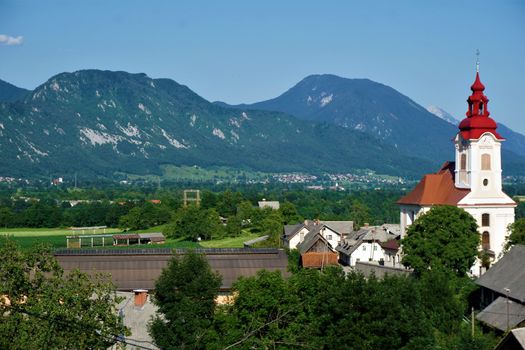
[
  {"x": 41, "y": 308},
  {"x": 185, "y": 293},
  {"x": 445, "y": 236}
]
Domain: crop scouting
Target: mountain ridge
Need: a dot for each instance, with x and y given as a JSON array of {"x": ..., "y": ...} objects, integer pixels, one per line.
[
  {"x": 104, "y": 122},
  {"x": 379, "y": 111}
]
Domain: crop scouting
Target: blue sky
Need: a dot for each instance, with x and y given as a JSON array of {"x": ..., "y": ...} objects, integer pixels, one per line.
[{"x": 247, "y": 51}]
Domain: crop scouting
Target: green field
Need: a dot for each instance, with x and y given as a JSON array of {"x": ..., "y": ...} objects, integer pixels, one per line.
[{"x": 56, "y": 238}]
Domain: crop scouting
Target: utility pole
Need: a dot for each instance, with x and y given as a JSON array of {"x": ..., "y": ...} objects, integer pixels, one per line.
[
  {"x": 508, "y": 292},
  {"x": 472, "y": 321}
]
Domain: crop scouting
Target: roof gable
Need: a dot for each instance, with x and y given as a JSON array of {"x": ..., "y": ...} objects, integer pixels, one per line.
[
  {"x": 508, "y": 272},
  {"x": 436, "y": 189}
]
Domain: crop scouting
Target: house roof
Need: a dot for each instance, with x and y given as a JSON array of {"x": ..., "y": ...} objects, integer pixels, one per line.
[
  {"x": 339, "y": 227},
  {"x": 515, "y": 339},
  {"x": 127, "y": 236},
  {"x": 392, "y": 244},
  {"x": 139, "y": 268},
  {"x": 436, "y": 188},
  {"x": 152, "y": 235},
  {"x": 291, "y": 230},
  {"x": 495, "y": 315},
  {"x": 508, "y": 272},
  {"x": 310, "y": 239},
  {"x": 342, "y": 227},
  {"x": 318, "y": 260}
]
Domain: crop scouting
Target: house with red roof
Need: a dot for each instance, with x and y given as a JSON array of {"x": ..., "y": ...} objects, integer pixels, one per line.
[{"x": 472, "y": 182}]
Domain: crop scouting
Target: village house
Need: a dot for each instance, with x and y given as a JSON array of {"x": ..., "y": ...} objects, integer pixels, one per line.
[
  {"x": 473, "y": 182},
  {"x": 332, "y": 231},
  {"x": 502, "y": 297},
  {"x": 378, "y": 244}
]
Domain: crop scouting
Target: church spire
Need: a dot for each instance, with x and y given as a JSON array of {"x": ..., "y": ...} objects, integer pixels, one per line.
[{"x": 478, "y": 121}]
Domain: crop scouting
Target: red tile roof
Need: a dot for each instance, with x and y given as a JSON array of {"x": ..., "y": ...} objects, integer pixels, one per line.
[
  {"x": 435, "y": 189},
  {"x": 317, "y": 260}
]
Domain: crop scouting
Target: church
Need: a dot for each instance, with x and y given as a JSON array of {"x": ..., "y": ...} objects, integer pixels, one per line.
[{"x": 472, "y": 182}]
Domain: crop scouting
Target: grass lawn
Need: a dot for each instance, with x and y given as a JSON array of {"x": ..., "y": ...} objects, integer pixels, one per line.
[
  {"x": 229, "y": 242},
  {"x": 56, "y": 238}
]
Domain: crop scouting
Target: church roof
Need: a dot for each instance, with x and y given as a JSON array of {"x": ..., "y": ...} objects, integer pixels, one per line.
[
  {"x": 478, "y": 121},
  {"x": 436, "y": 189}
]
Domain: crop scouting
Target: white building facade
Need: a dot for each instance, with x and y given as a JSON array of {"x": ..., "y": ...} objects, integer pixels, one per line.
[{"x": 473, "y": 182}]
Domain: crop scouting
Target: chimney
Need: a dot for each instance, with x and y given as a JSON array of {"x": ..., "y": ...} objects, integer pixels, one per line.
[
  {"x": 305, "y": 222},
  {"x": 366, "y": 224},
  {"x": 141, "y": 295}
]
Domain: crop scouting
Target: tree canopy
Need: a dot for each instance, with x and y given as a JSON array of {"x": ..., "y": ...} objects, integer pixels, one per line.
[
  {"x": 517, "y": 233},
  {"x": 185, "y": 293},
  {"x": 41, "y": 308},
  {"x": 445, "y": 236}
]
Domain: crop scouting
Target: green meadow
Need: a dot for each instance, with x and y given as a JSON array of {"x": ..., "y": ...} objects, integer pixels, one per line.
[{"x": 56, "y": 239}]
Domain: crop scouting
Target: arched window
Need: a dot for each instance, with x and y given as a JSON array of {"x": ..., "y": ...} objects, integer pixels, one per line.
[
  {"x": 485, "y": 241},
  {"x": 463, "y": 162},
  {"x": 481, "y": 108},
  {"x": 485, "y": 161},
  {"x": 485, "y": 219}
]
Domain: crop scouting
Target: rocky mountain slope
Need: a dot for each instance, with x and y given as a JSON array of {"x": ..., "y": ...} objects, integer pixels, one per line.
[
  {"x": 380, "y": 112},
  {"x": 99, "y": 123}
]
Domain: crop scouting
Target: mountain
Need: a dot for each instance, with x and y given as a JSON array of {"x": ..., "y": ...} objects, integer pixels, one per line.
[
  {"x": 98, "y": 123},
  {"x": 441, "y": 113},
  {"x": 514, "y": 141},
  {"x": 380, "y": 112},
  {"x": 10, "y": 93}
]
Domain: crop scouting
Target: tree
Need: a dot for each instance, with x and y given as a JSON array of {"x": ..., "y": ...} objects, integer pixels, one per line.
[
  {"x": 193, "y": 223},
  {"x": 185, "y": 293},
  {"x": 289, "y": 213},
  {"x": 517, "y": 233},
  {"x": 445, "y": 236},
  {"x": 360, "y": 213},
  {"x": 233, "y": 226},
  {"x": 41, "y": 308}
]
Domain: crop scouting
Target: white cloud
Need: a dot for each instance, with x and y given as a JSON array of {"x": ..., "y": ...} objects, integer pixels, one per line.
[{"x": 11, "y": 40}]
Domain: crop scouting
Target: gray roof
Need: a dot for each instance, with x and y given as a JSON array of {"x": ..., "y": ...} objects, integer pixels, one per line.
[
  {"x": 136, "y": 319},
  {"x": 373, "y": 233},
  {"x": 495, "y": 315},
  {"x": 508, "y": 272},
  {"x": 290, "y": 230},
  {"x": 519, "y": 334},
  {"x": 151, "y": 235},
  {"x": 139, "y": 268},
  {"x": 342, "y": 227},
  {"x": 310, "y": 239}
]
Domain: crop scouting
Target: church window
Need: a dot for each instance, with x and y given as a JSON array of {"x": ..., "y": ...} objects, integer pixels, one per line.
[
  {"x": 485, "y": 161},
  {"x": 485, "y": 182},
  {"x": 485, "y": 219},
  {"x": 463, "y": 162},
  {"x": 485, "y": 240}
]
